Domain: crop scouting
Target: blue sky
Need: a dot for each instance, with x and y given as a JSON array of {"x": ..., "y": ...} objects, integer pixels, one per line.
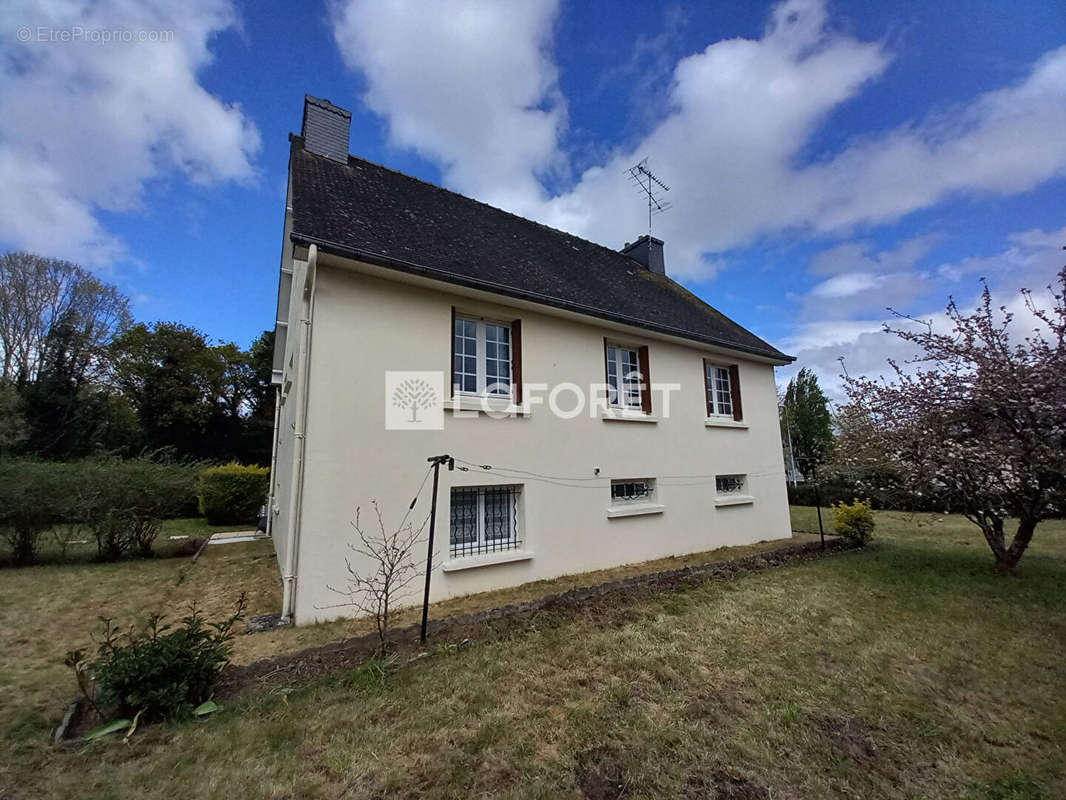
[{"x": 825, "y": 159}]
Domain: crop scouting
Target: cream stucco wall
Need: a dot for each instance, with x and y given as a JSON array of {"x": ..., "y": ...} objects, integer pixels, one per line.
[{"x": 365, "y": 325}]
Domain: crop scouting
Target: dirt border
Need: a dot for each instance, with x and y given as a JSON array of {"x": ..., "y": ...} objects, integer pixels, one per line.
[{"x": 296, "y": 668}]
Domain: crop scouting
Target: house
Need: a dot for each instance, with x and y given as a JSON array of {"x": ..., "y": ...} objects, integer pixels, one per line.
[{"x": 598, "y": 412}]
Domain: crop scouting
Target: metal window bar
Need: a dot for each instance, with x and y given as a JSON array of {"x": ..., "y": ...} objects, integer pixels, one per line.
[
  {"x": 629, "y": 491},
  {"x": 484, "y": 519},
  {"x": 729, "y": 484}
]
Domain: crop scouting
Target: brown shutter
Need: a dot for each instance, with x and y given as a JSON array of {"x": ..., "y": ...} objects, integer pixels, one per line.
[
  {"x": 707, "y": 390},
  {"x": 645, "y": 379},
  {"x": 516, "y": 361},
  {"x": 734, "y": 389},
  {"x": 451, "y": 343}
]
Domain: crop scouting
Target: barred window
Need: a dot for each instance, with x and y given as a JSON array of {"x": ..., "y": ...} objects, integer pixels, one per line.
[
  {"x": 730, "y": 484},
  {"x": 484, "y": 519},
  {"x": 628, "y": 491}
]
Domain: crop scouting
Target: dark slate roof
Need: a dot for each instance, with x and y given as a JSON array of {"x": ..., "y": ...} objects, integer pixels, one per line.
[{"x": 374, "y": 214}]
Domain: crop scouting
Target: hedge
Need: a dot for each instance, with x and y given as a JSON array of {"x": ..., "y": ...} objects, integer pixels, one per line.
[
  {"x": 232, "y": 494},
  {"x": 121, "y": 502}
]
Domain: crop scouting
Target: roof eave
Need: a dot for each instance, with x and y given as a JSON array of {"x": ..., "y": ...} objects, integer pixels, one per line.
[{"x": 391, "y": 262}]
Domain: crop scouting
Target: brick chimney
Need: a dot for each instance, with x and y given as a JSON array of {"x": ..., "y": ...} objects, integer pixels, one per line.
[
  {"x": 648, "y": 251},
  {"x": 325, "y": 128}
]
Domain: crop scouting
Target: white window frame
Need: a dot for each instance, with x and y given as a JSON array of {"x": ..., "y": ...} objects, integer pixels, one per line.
[
  {"x": 481, "y": 358},
  {"x": 711, "y": 389},
  {"x": 742, "y": 488},
  {"x": 481, "y": 545},
  {"x": 649, "y": 488},
  {"x": 735, "y": 496},
  {"x": 634, "y": 506},
  {"x": 621, "y": 398}
]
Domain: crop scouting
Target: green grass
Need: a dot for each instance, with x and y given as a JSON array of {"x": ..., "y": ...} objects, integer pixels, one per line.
[
  {"x": 908, "y": 670},
  {"x": 50, "y": 551}
]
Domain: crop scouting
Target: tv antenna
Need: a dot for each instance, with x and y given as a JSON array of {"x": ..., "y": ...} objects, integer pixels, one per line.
[{"x": 650, "y": 186}]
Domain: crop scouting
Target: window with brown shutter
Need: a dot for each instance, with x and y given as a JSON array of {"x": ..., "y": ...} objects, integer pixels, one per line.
[
  {"x": 734, "y": 388},
  {"x": 721, "y": 390},
  {"x": 645, "y": 379},
  {"x": 626, "y": 370},
  {"x": 516, "y": 361}
]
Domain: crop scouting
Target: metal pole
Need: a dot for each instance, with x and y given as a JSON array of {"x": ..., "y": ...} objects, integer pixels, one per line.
[
  {"x": 818, "y": 502},
  {"x": 436, "y": 461}
]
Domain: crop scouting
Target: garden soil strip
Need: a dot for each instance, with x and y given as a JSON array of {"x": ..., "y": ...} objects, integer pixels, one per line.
[{"x": 604, "y": 603}]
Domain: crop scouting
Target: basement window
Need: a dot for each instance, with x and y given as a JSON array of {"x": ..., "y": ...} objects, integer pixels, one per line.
[
  {"x": 731, "y": 490},
  {"x": 633, "y": 496},
  {"x": 484, "y": 519},
  {"x": 730, "y": 484},
  {"x": 630, "y": 491}
]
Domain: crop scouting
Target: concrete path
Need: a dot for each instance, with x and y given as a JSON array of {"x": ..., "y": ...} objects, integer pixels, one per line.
[{"x": 233, "y": 537}]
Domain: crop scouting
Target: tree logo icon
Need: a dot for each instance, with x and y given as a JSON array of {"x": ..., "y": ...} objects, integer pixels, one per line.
[
  {"x": 414, "y": 400},
  {"x": 414, "y": 394}
]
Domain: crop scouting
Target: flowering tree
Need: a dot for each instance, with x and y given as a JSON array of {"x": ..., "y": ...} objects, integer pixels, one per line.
[{"x": 978, "y": 421}]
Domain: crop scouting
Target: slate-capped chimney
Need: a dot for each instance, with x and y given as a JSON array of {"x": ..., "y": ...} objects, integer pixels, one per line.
[
  {"x": 325, "y": 128},
  {"x": 648, "y": 251}
]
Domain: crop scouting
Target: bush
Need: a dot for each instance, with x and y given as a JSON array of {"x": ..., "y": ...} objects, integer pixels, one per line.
[
  {"x": 33, "y": 497},
  {"x": 855, "y": 522},
  {"x": 232, "y": 494},
  {"x": 161, "y": 672},
  {"x": 123, "y": 502}
]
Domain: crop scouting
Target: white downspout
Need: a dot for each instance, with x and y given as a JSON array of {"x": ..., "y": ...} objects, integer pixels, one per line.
[
  {"x": 273, "y": 461},
  {"x": 288, "y": 578}
]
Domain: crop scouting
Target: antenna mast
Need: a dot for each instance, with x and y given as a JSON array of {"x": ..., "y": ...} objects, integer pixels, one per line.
[{"x": 650, "y": 186}]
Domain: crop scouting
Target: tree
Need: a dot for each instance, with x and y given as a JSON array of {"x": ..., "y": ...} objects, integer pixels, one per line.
[
  {"x": 978, "y": 421},
  {"x": 173, "y": 379},
  {"x": 388, "y": 567},
  {"x": 806, "y": 414},
  {"x": 12, "y": 421},
  {"x": 261, "y": 396},
  {"x": 36, "y": 293}
]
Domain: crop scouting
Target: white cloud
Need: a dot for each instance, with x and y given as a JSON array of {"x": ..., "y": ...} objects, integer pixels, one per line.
[
  {"x": 739, "y": 117},
  {"x": 862, "y": 280},
  {"x": 465, "y": 83},
  {"x": 1030, "y": 260},
  {"x": 88, "y": 124}
]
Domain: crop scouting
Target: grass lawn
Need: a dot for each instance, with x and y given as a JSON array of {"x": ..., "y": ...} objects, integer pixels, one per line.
[
  {"x": 83, "y": 548},
  {"x": 907, "y": 670}
]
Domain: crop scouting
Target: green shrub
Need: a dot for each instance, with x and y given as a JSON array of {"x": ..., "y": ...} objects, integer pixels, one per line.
[
  {"x": 123, "y": 502},
  {"x": 232, "y": 494},
  {"x": 33, "y": 497},
  {"x": 855, "y": 522},
  {"x": 161, "y": 672}
]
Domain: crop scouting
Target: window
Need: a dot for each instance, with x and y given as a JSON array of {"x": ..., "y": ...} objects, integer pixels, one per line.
[
  {"x": 719, "y": 390},
  {"x": 481, "y": 357},
  {"x": 730, "y": 484},
  {"x": 630, "y": 491},
  {"x": 623, "y": 377},
  {"x": 484, "y": 519}
]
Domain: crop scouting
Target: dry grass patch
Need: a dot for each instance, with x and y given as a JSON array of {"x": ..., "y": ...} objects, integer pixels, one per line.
[{"x": 908, "y": 670}]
